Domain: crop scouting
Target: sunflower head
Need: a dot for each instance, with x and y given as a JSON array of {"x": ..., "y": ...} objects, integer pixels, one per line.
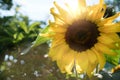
[{"x": 81, "y": 37}]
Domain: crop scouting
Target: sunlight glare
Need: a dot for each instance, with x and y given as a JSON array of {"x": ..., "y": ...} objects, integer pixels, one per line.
[{"x": 73, "y": 4}]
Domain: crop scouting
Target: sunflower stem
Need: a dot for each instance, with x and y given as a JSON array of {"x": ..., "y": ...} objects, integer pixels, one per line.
[
  {"x": 75, "y": 71},
  {"x": 86, "y": 77},
  {"x": 97, "y": 68}
]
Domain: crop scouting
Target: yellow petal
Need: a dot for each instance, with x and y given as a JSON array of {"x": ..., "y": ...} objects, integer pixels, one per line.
[
  {"x": 57, "y": 16},
  {"x": 90, "y": 69},
  {"x": 57, "y": 42},
  {"x": 92, "y": 62},
  {"x": 92, "y": 13},
  {"x": 81, "y": 60},
  {"x": 81, "y": 7},
  {"x": 66, "y": 62},
  {"x": 69, "y": 67},
  {"x": 101, "y": 12},
  {"x": 108, "y": 41},
  {"x": 114, "y": 36},
  {"x": 58, "y": 28},
  {"x": 91, "y": 56},
  {"x": 58, "y": 51},
  {"x": 104, "y": 49},
  {"x": 59, "y": 36},
  {"x": 96, "y": 12},
  {"x": 61, "y": 10},
  {"x": 61, "y": 66},
  {"x": 82, "y": 3},
  {"x": 109, "y": 19},
  {"x": 105, "y": 39},
  {"x": 101, "y": 2},
  {"x": 110, "y": 28},
  {"x": 64, "y": 14},
  {"x": 100, "y": 57},
  {"x": 73, "y": 12}
]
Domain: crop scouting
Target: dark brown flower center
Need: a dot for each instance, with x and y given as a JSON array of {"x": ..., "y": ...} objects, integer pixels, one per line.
[{"x": 81, "y": 35}]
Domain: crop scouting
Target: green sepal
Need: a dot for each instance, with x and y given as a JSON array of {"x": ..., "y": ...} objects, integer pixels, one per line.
[{"x": 40, "y": 39}]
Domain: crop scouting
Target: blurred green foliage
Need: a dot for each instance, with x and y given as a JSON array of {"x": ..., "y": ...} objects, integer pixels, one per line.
[
  {"x": 113, "y": 60},
  {"x": 114, "y": 3},
  {"x": 6, "y": 4},
  {"x": 16, "y": 29}
]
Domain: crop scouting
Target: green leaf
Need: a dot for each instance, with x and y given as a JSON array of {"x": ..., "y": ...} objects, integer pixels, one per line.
[
  {"x": 9, "y": 31},
  {"x": 33, "y": 25},
  {"x": 33, "y": 35},
  {"x": 24, "y": 26},
  {"x": 18, "y": 37},
  {"x": 5, "y": 39},
  {"x": 113, "y": 59},
  {"x": 40, "y": 39},
  {"x": 118, "y": 52},
  {"x": 45, "y": 29}
]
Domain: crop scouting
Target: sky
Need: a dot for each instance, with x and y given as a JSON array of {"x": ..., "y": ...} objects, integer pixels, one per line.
[
  {"x": 35, "y": 9},
  {"x": 40, "y": 9}
]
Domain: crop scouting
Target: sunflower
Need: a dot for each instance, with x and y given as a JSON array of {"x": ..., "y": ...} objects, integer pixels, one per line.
[{"x": 81, "y": 37}]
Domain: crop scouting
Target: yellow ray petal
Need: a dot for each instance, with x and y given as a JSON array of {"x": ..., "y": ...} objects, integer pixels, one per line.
[
  {"x": 61, "y": 10},
  {"x": 61, "y": 66},
  {"x": 110, "y": 28},
  {"x": 114, "y": 36},
  {"x": 105, "y": 39},
  {"x": 100, "y": 57},
  {"x": 69, "y": 67},
  {"x": 59, "y": 36},
  {"x": 92, "y": 62},
  {"x": 101, "y": 12},
  {"x": 58, "y": 28},
  {"x": 92, "y": 13},
  {"x": 89, "y": 13},
  {"x": 74, "y": 13},
  {"x": 66, "y": 17},
  {"x": 81, "y": 7},
  {"x": 91, "y": 56},
  {"x": 90, "y": 69},
  {"x": 109, "y": 19},
  {"x": 67, "y": 61},
  {"x": 95, "y": 13},
  {"x": 58, "y": 51},
  {"x": 104, "y": 49},
  {"x": 108, "y": 41},
  {"x": 56, "y": 15},
  {"x": 80, "y": 57},
  {"x": 57, "y": 42},
  {"x": 82, "y": 3},
  {"x": 101, "y": 2}
]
